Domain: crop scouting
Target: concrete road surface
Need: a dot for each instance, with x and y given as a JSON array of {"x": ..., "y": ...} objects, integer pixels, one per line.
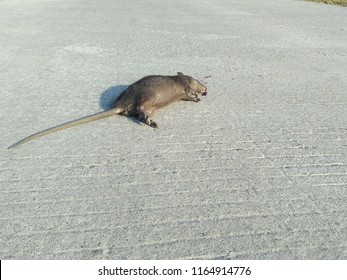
[{"x": 256, "y": 170}]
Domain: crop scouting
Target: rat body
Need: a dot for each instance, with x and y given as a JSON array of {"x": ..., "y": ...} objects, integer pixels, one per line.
[{"x": 141, "y": 99}]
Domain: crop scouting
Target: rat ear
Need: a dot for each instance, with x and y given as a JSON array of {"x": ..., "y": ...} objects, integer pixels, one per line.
[{"x": 180, "y": 74}]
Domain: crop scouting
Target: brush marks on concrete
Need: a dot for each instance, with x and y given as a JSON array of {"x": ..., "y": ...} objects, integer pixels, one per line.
[{"x": 257, "y": 170}]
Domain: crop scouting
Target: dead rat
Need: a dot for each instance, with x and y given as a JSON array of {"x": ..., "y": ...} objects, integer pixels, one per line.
[{"x": 141, "y": 99}]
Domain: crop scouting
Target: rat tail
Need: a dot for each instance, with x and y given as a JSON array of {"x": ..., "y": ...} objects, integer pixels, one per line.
[{"x": 66, "y": 125}]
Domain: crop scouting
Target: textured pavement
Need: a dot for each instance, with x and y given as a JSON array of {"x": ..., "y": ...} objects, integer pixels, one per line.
[{"x": 256, "y": 170}]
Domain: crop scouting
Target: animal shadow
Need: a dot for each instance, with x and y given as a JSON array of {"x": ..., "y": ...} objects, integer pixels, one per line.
[{"x": 109, "y": 96}]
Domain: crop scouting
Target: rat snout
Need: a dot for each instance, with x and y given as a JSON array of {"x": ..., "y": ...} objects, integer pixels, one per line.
[{"x": 203, "y": 91}]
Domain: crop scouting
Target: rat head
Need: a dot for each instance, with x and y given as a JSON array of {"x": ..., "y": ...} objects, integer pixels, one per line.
[{"x": 193, "y": 84}]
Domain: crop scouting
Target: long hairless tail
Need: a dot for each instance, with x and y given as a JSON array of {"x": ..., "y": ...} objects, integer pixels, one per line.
[{"x": 80, "y": 121}]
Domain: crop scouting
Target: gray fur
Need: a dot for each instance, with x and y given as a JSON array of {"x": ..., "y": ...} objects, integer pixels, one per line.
[{"x": 141, "y": 99}]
